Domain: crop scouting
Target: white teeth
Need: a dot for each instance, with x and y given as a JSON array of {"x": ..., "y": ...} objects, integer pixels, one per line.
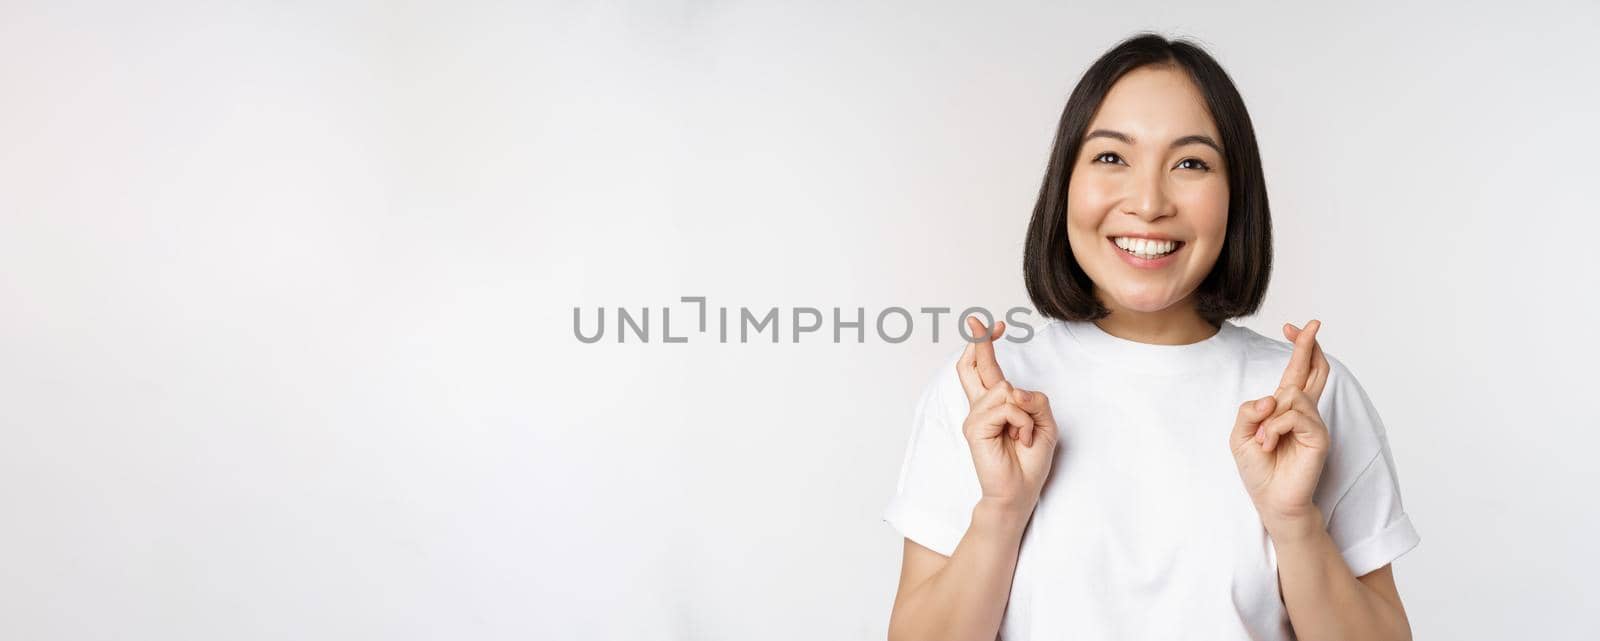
[{"x": 1145, "y": 248}]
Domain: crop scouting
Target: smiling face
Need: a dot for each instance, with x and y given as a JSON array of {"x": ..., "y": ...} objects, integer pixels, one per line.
[{"x": 1147, "y": 170}]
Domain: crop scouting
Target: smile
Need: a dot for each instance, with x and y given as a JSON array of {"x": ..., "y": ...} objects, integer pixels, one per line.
[{"x": 1146, "y": 254}]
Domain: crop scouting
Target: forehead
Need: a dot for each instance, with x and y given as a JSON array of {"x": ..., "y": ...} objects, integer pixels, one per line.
[{"x": 1155, "y": 105}]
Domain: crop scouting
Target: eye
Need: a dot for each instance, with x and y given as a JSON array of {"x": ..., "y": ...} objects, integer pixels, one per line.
[
  {"x": 1115, "y": 159},
  {"x": 1198, "y": 164}
]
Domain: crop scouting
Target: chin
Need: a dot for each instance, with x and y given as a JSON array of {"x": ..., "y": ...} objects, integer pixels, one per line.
[{"x": 1144, "y": 301}]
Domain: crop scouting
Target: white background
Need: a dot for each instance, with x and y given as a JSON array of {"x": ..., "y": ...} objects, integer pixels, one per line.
[{"x": 286, "y": 298}]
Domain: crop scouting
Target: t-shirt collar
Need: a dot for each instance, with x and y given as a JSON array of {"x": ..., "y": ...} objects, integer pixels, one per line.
[{"x": 1150, "y": 358}]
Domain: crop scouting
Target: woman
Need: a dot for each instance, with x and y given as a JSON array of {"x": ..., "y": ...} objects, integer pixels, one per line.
[{"x": 1078, "y": 485}]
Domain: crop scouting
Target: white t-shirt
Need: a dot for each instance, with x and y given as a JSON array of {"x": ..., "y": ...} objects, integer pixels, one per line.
[{"x": 1144, "y": 529}]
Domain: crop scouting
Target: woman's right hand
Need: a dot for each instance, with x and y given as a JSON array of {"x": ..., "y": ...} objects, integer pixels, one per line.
[{"x": 1011, "y": 431}]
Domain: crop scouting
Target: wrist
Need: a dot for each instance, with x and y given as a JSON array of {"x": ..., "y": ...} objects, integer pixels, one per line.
[
  {"x": 1004, "y": 515},
  {"x": 1295, "y": 528}
]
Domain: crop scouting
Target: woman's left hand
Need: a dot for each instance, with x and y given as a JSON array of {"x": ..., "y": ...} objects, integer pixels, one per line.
[{"x": 1280, "y": 443}]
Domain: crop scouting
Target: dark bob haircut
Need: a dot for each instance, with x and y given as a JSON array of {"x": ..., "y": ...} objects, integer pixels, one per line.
[{"x": 1058, "y": 286}]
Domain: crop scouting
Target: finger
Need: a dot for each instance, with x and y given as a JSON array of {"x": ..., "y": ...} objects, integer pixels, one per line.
[
  {"x": 1251, "y": 414},
  {"x": 999, "y": 394},
  {"x": 1290, "y": 398},
  {"x": 1037, "y": 405},
  {"x": 1000, "y": 418},
  {"x": 1277, "y": 426},
  {"x": 988, "y": 367},
  {"x": 1319, "y": 374},
  {"x": 1299, "y": 368},
  {"x": 1025, "y": 435},
  {"x": 967, "y": 370},
  {"x": 1319, "y": 365},
  {"x": 1307, "y": 429}
]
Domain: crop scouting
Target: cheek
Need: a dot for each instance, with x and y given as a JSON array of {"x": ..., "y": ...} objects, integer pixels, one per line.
[
  {"x": 1206, "y": 207},
  {"x": 1091, "y": 189},
  {"x": 1088, "y": 200}
]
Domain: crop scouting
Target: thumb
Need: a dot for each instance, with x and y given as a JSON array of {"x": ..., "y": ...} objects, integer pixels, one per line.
[{"x": 1251, "y": 414}]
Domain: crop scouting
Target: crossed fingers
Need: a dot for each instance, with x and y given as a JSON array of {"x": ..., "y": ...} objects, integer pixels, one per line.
[
  {"x": 1308, "y": 368},
  {"x": 1016, "y": 412},
  {"x": 1299, "y": 389}
]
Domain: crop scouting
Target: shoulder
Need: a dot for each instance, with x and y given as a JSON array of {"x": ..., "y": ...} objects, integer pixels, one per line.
[
  {"x": 1264, "y": 351},
  {"x": 1346, "y": 409},
  {"x": 1273, "y": 354},
  {"x": 1030, "y": 354},
  {"x": 1353, "y": 421}
]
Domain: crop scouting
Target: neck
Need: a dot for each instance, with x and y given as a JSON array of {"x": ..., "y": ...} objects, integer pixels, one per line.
[{"x": 1178, "y": 324}]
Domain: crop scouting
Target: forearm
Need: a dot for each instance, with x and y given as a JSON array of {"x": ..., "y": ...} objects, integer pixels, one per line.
[
  {"x": 965, "y": 600},
  {"x": 1325, "y": 600}
]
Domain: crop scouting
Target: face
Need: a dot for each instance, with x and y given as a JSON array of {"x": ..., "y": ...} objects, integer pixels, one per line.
[{"x": 1147, "y": 176}]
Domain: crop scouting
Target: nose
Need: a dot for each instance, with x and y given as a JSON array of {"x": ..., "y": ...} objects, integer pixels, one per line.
[{"x": 1148, "y": 198}]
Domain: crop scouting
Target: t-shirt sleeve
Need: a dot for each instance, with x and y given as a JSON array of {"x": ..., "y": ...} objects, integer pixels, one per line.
[
  {"x": 938, "y": 484},
  {"x": 1361, "y": 488}
]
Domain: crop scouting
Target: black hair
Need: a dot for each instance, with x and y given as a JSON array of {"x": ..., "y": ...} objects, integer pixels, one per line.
[{"x": 1237, "y": 283}]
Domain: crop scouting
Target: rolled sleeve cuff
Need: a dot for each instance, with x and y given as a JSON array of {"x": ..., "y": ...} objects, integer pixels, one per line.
[
  {"x": 1382, "y": 548},
  {"x": 920, "y": 525}
]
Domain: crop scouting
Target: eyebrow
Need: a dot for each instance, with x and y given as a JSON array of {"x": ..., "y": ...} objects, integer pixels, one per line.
[{"x": 1186, "y": 140}]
